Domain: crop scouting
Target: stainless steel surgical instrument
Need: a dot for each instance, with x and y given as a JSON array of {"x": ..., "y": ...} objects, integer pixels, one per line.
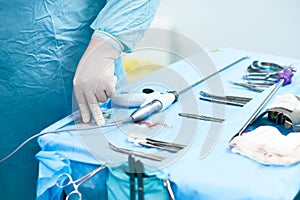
[
  {"x": 248, "y": 86},
  {"x": 167, "y": 184},
  {"x": 261, "y": 83},
  {"x": 136, "y": 153},
  {"x": 263, "y": 74},
  {"x": 147, "y": 142},
  {"x": 136, "y": 169},
  {"x": 252, "y": 118},
  {"x": 159, "y": 142},
  {"x": 227, "y": 97},
  {"x": 267, "y": 67},
  {"x": 131, "y": 166},
  {"x": 201, "y": 117},
  {"x": 285, "y": 77},
  {"x": 260, "y": 76},
  {"x": 139, "y": 168},
  {"x": 228, "y": 102},
  {"x": 65, "y": 180}
]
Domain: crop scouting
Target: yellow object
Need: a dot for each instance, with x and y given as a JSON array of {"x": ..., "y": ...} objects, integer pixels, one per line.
[
  {"x": 215, "y": 50},
  {"x": 136, "y": 68}
]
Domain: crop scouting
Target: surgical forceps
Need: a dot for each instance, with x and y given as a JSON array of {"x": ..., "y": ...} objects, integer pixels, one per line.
[
  {"x": 151, "y": 143},
  {"x": 249, "y": 86},
  {"x": 262, "y": 83},
  {"x": 230, "y": 100},
  {"x": 266, "y": 71},
  {"x": 260, "y": 76},
  {"x": 263, "y": 74},
  {"x": 261, "y": 79},
  {"x": 65, "y": 180},
  {"x": 234, "y": 98},
  {"x": 265, "y": 67},
  {"x": 136, "y": 153}
]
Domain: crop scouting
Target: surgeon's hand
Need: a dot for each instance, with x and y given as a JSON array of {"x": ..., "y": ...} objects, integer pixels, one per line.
[{"x": 94, "y": 79}]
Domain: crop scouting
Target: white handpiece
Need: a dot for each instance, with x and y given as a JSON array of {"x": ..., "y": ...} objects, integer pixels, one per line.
[
  {"x": 141, "y": 99},
  {"x": 129, "y": 99},
  {"x": 165, "y": 99}
]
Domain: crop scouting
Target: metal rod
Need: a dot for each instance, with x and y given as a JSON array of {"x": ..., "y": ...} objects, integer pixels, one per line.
[
  {"x": 191, "y": 86},
  {"x": 251, "y": 119}
]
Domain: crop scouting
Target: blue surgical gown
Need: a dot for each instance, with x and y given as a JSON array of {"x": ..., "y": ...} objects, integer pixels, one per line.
[{"x": 41, "y": 43}]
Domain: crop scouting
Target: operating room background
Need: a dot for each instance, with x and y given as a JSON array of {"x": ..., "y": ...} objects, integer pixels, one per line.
[{"x": 266, "y": 26}]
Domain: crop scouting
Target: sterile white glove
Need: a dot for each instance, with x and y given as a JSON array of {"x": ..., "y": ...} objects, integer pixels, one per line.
[{"x": 94, "y": 78}]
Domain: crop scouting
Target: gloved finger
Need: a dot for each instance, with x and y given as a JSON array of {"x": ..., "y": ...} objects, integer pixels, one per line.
[
  {"x": 101, "y": 96},
  {"x": 110, "y": 91},
  {"x": 85, "y": 112},
  {"x": 110, "y": 87},
  {"x": 83, "y": 106},
  {"x": 95, "y": 109},
  {"x": 97, "y": 114}
]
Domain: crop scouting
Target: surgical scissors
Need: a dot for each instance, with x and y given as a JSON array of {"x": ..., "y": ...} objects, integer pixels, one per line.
[{"x": 65, "y": 180}]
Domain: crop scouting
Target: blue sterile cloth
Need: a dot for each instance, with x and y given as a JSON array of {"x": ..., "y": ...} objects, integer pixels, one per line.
[
  {"x": 206, "y": 169},
  {"x": 41, "y": 43}
]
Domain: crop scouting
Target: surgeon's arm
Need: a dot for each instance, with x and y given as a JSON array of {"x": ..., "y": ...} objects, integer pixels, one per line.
[{"x": 118, "y": 27}]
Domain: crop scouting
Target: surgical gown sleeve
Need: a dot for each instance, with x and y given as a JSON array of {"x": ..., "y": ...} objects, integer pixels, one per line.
[{"x": 126, "y": 20}]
